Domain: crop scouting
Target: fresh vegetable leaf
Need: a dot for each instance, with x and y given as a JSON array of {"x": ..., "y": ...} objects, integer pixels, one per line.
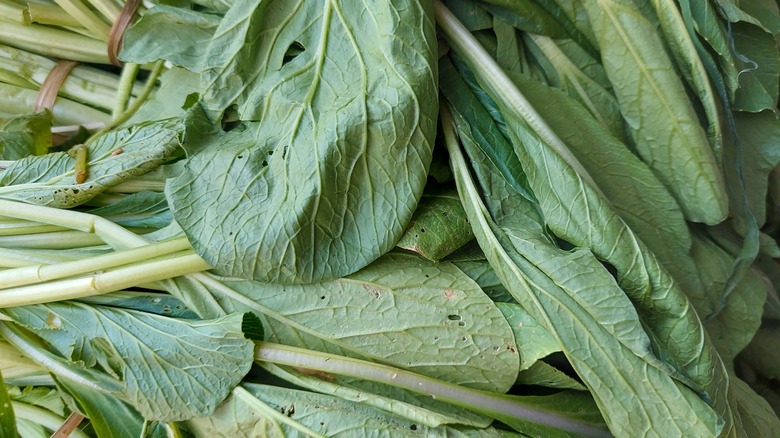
[
  {"x": 435, "y": 320},
  {"x": 661, "y": 119},
  {"x": 41, "y": 396},
  {"x": 337, "y": 146},
  {"x": 481, "y": 272},
  {"x": 758, "y": 78},
  {"x": 49, "y": 179},
  {"x": 142, "y": 210},
  {"x": 26, "y": 135},
  {"x": 543, "y": 374},
  {"x": 139, "y": 349},
  {"x": 759, "y": 134},
  {"x": 533, "y": 340},
  {"x": 438, "y": 227},
  {"x": 526, "y": 16},
  {"x": 174, "y": 34},
  {"x": 108, "y": 415},
  {"x": 7, "y": 417},
  {"x": 595, "y": 351}
]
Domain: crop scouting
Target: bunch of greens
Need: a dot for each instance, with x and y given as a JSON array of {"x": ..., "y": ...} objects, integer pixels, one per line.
[{"x": 330, "y": 218}]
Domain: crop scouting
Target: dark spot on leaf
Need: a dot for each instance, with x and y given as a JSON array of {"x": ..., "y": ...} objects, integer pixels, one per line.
[
  {"x": 422, "y": 230},
  {"x": 413, "y": 427},
  {"x": 444, "y": 213},
  {"x": 454, "y": 317},
  {"x": 462, "y": 323},
  {"x": 284, "y": 152},
  {"x": 240, "y": 157},
  {"x": 265, "y": 163},
  {"x": 322, "y": 297}
]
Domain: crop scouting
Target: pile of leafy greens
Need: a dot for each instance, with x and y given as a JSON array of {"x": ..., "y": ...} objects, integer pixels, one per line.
[{"x": 405, "y": 218}]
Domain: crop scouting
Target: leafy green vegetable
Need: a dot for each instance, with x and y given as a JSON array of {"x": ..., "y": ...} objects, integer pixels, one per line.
[
  {"x": 131, "y": 346},
  {"x": 49, "y": 179},
  {"x": 7, "y": 417},
  {"x": 26, "y": 135},
  {"x": 661, "y": 119},
  {"x": 327, "y": 178},
  {"x": 438, "y": 227}
]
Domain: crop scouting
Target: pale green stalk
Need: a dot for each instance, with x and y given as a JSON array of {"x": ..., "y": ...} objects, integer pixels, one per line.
[
  {"x": 140, "y": 184},
  {"x": 502, "y": 87},
  {"x": 84, "y": 15},
  {"x": 46, "y": 13},
  {"x": 17, "y": 258},
  {"x": 51, "y": 240},
  {"x": 487, "y": 403},
  {"x": 41, "y": 416},
  {"x": 19, "y": 100},
  {"x": 123, "y": 92},
  {"x": 108, "y": 8},
  {"x": 48, "y": 272},
  {"x": 151, "y": 83},
  {"x": 177, "y": 264},
  {"x": 111, "y": 233},
  {"x": 53, "y": 42},
  {"x": 14, "y": 227}
]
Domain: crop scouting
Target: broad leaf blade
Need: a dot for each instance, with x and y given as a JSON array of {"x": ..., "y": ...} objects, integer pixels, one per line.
[
  {"x": 606, "y": 366},
  {"x": 434, "y": 319},
  {"x": 657, "y": 110},
  {"x": 152, "y": 356},
  {"x": 344, "y": 133},
  {"x": 7, "y": 417}
]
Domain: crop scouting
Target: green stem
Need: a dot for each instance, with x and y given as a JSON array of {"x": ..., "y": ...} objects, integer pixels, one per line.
[
  {"x": 48, "y": 272},
  {"x": 501, "y": 87},
  {"x": 125, "y": 89},
  {"x": 491, "y": 404},
  {"x": 174, "y": 265},
  {"x": 21, "y": 100},
  {"x": 51, "y": 240},
  {"x": 111, "y": 233},
  {"x": 53, "y": 42},
  {"x": 45, "y": 13},
  {"x": 84, "y": 15},
  {"x": 108, "y": 8},
  {"x": 151, "y": 83}
]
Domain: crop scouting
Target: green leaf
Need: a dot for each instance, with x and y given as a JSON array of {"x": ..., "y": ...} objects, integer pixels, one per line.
[
  {"x": 687, "y": 52},
  {"x": 152, "y": 356},
  {"x": 481, "y": 272},
  {"x": 730, "y": 324},
  {"x": 533, "y": 340},
  {"x": 598, "y": 100},
  {"x": 400, "y": 310},
  {"x": 26, "y": 135},
  {"x": 526, "y": 16},
  {"x": 178, "y": 35},
  {"x": 760, "y": 68},
  {"x": 327, "y": 179},
  {"x": 543, "y": 374},
  {"x": 657, "y": 110},
  {"x": 289, "y": 412},
  {"x": 50, "y": 179},
  {"x": 759, "y": 135},
  {"x": 40, "y": 396},
  {"x": 7, "y": 417},
  {"x": 438, "y": 227},
  {"x": 109, "y": 416},
  {"x": 145, "y": 209},
  {"x": 471, "y": 14},
  {"x": 762, "y": 353},
  {"x": 606, "y": 365},
  {"x": 755, "y": 415},
  {"x": 177, "y": 85}
]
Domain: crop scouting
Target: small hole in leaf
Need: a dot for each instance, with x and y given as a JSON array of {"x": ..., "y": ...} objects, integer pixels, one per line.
[
  {"x": 322, "y": 297},
  {"x": 265, "y": 163},
  {"x": 462, "y": 323},
  {"x": 422, "y": 230},
  {"x": 454, "y": 317},
  {"x": 413, "y": 427},
  {"x": 292, "y": 52},
  {"x": 240, "y": 157}
]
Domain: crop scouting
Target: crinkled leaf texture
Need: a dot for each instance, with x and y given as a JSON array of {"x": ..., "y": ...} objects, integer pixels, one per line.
[
  {"x": 242, "y": 415},
  {"x": 594, "y": 323},
  {"x": 401, "y": 310},
  {"x": 50, "y": 179},
  {"x": 169, "y": 369},
  {"x": 344, "y": 97}
]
